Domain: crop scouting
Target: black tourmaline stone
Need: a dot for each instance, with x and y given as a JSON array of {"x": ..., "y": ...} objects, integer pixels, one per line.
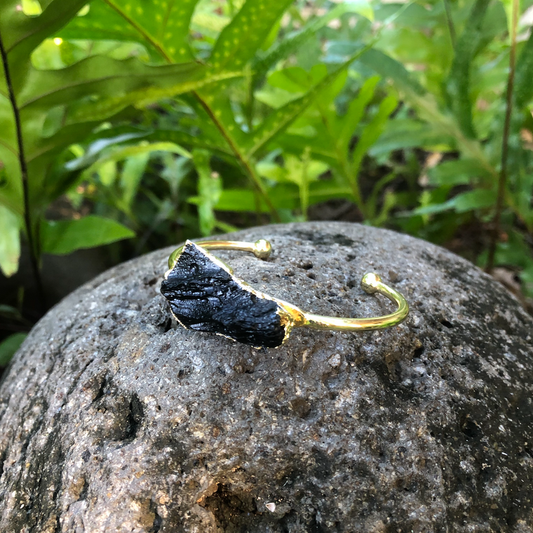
[{"x": 205, "y": 297}]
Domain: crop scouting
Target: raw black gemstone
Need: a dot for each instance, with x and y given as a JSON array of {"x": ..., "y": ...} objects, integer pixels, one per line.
[{"x": 205, "y": 297}]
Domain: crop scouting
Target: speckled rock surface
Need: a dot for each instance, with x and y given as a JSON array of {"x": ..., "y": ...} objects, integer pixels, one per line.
[{"x": 115, "y": 419}]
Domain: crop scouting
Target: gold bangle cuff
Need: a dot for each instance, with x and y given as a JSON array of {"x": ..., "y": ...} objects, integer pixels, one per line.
[{"x": 183, "y": 283}]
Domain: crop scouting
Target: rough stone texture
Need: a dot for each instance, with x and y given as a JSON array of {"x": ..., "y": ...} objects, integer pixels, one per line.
[{"x": 115, "y": 419}]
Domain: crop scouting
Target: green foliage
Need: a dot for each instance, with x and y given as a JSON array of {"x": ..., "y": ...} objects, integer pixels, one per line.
[
  {"x": 171, "y": 119},
  {"x": 236, "y": 128},
  {"x": 9, "y": 346},
  {"x": 49, "y": 112},
  {"x": 162, "y": 25},
  {"x": 333, "y": 132},
  {"x": 458, "y": 81},
  {"x": 9, "y": 242},
  {"x": 65, "y": 236},
  {"x": 458, "y": 93},
  {"x": 523, "y": 92},
  {"x": 209, "y": 189},
  {"x": 31, "y": 98}
]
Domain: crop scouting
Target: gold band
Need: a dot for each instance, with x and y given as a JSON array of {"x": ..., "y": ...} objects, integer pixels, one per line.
[{"x": 371, "y": 283}]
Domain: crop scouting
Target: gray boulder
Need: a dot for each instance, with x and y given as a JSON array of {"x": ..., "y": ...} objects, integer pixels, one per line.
[{"x": 113, "y": 418}]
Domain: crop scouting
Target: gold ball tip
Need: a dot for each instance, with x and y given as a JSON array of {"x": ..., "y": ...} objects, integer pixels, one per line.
[
  {"x": 370, "y": 282},
  {"x": 262, "y": 249}
]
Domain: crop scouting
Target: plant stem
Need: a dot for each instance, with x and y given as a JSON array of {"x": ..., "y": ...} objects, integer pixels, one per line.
[
  {"x": 304, "y": 186},
  {"x": 249, "y": 111},
  {"x": 505, "y": 141},
  {"x": 449, "y": 21},
  {"x": 248, "y": 167},
  {"x": 34, "y": 254}
]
